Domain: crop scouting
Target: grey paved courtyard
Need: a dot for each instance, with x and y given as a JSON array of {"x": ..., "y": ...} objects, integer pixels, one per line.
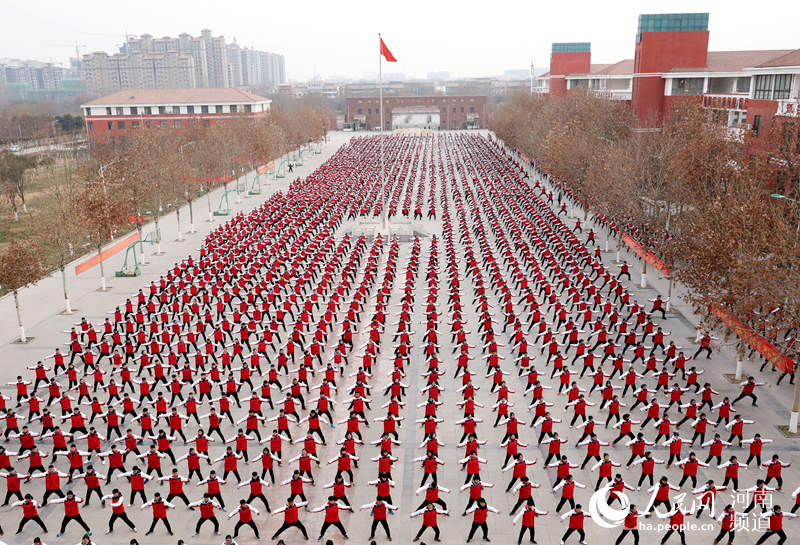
[{"x": 46, "y": 324}]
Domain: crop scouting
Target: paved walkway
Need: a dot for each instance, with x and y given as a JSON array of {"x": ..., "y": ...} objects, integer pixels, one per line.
[{"x": 41, "y": 304}]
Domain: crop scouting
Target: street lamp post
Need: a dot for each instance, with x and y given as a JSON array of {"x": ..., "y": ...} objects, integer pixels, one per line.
[
  {"x": 101, "y": 172},
  {"x": 795, "y": 415},
  {"x": 186, "y": 191}
]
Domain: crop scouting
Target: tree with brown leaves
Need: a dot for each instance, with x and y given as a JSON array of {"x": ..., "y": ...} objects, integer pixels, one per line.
[{"x": 21, "y": 264}]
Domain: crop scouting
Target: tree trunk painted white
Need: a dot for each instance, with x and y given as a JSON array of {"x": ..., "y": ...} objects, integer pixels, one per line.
[
  {"x": 191, "y": 218},
  {"x": 739, "y": 360},
  {"x": 795, "y": 408},
  {"x": 68, "y": 308},
  {"x": 102, "y": 275},
  {"x": 669, "y": 295},
  {"x": 643, "y": 283},
  {"x": 22, "y": 337}
]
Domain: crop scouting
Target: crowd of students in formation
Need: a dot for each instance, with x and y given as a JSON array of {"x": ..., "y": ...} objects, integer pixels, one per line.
[{"x": 218, "y": 388}]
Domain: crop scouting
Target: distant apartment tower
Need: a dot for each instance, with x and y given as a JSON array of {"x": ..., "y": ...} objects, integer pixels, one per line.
[
  {"x": 251, "y": 67},
  {"x": 33, "y": 74},
  {"x": 138, "y": 70},
  {"x": 217, "y": 59},
  {"x": 234, "y": 64},
  {"x": 273, "y": 68},
  {"x": 184, "y": 62}
]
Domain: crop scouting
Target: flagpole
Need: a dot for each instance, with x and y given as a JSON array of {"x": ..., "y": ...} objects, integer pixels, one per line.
[{"x": 384, "y": 219}]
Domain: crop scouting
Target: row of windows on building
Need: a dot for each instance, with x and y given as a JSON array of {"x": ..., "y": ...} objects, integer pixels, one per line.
[
  {"x": 444, "y": 110},
  {"x": 766, "y": 87},
  {"x": 176, "y": 124},
  {"x": 417, "y": 101},
  {"x": 152, "y": 110},
  {"x": 773, "y": 86}
]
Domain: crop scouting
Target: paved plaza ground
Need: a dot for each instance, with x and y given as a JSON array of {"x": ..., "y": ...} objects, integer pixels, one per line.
[{"x": 46, "y": 325}]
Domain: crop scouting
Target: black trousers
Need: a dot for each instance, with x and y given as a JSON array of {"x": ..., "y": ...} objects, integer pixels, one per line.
[
  {"x": 434, "y": 528},
  {"x": 121, "y": 516},
  {"x": 670, "y": 532},
  {"x": 35, "y": 519},
  {"x": 249, "y": 523},
  {"x": 625, "y": 531},
  {"x": 326, "y": 525},
  {"x": 769, "y": 533},
  {"x": 721, "y": 535},
  {"x": 10, "y": 494},
  {"x": 133, "y": 496},
  {"x": 570, "y": 531},
  {"x": 426, "y": 502},
  {"x": 286, "y": 525},
  {"x": 561, "y": 503},
  {"x": 260, "y": 497},
  {"x": 522, "y": 533},
  {"x": 375, "y": 525},
  {"x": 181, "y": 496},
  {"x": 76, "y": 518},
  {"x": 202, "y": 521},
  {"x": 484, "y": 528},
  {"x": 155, "y": 521}
]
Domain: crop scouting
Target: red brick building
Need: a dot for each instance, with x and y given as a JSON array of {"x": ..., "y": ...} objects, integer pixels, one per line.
[
  {"x": 568, "y": 58},
  {"x": 116, "y": 117},
  {"x": 453, "y": 112},
  {"x": 747, "y": 89}
]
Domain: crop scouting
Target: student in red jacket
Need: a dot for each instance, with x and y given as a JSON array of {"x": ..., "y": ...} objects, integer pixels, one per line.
[
  {"x": 480, "y": 512},
  {"x": 159, "y": 512},
  {"x": 429, "y": 516},
  {"x": 245, "y": 511},
  {"x": 206, "y": 507},
  {"x": 775, "y": 518},
  {"x": 71, "y": 512},
  {"x": 379, "y": 510},
  {"x": 631, "y": 525},
  {"x": 117, "y": 510},
  {"x": 30, "y": 512},
  {"x": 290, "y": 518},
  {"x": 332, "y": 508},
  {"x": 528, "y": 516},
  {"x": 575, "y": 517}
]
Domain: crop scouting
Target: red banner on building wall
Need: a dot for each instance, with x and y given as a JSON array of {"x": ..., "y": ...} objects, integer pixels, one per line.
[
  {"x": 105, "y": 254},
  {"x": 770, "y": 352},
  {"x": 649, "y": 257}
]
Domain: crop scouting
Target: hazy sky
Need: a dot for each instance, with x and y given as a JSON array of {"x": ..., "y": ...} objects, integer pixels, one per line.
[{"x": 339, "y": 38}]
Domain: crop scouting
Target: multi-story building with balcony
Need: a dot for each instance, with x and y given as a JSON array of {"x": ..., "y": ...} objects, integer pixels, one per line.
[{"x": 746, "y": 89}]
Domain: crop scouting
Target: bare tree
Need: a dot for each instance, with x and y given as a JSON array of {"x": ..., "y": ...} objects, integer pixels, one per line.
[
  {"x": 21, "y": 265},
  {"x": 58, "y": 225},
  {"x": 102, "y": 211}
]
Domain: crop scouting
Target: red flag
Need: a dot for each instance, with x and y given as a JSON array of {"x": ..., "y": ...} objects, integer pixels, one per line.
[{"x": 386, "y": 53}]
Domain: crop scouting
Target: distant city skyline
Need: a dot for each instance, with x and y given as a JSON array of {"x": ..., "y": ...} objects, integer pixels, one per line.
[
  {"x": 183, "y": 61},
  {"x": 340, "y": 39}
]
